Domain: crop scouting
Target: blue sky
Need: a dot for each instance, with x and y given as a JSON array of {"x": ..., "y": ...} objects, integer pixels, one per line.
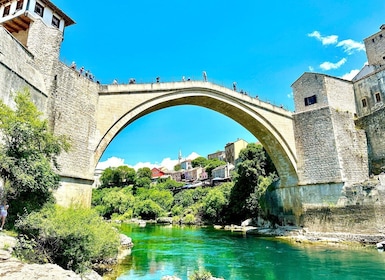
[{"x": 262, "y": 45}]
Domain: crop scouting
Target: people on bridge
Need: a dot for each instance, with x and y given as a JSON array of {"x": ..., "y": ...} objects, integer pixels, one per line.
[
  {"x": 157, "y": 79},
  {"x": 183, "y": 79},
  {"x": 204, "y": 76},
  {"x": 234, "y": 86},
  {"x": 73, "y": 65},
  {"x": 115, "y": 82}
]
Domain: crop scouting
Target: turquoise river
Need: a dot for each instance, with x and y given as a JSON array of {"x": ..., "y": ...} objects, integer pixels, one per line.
[{"x": 179, "y": 251}]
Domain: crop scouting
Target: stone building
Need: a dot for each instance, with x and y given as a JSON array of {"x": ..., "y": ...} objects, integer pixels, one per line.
[
  {"x": 330, "y": 149},
  {"x": 369, "y": 90},
  {"x": 233, "y": 149},
  {"x": 220, "y": 155}
]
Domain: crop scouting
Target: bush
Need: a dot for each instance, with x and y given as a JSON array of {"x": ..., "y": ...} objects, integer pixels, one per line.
[
  {"x": 189, "y": 219},
  {"x": 200, "y": 275},
  {"x": 70, "y": 237},
  {"x": 112, "y": 200},
  {"x": 148, "y": 209}
]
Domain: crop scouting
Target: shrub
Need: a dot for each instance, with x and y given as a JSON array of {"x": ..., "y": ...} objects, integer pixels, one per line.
[
  {"x": 112, "y": 200},
  {"x": 148, "y": 209},
  {"x": 200, "y": 275},
  {"x": 70, "y": 237},
  {"x": 189, "y": 219}
]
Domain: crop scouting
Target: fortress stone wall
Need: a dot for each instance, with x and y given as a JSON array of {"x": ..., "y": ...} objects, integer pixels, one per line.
[{"x": 66, "y": 99}]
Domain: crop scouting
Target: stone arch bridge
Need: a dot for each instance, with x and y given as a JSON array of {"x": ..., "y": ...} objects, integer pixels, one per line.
[{"x": 120, "y": 105}]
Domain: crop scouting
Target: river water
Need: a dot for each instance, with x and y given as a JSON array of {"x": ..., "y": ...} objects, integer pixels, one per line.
[{"x": 179, "y": 251}]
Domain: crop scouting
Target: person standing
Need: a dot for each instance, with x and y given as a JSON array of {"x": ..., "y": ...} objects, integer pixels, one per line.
[
  {"x": 204, "y": 76},
  {"x": 3, "y": 213}
]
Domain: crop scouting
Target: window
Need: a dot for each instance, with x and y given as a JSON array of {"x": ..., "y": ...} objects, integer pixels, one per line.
[
  {"x": 39, "y": 9},
  {"x": 55, "y": 21},
  {"x": 6, "y": 10},
  {"x": 310, "y": 100},
  {"x": 19, "y": 5},
  {"x": 378, "y": 97},
  {"x": 364, "y": 102}
]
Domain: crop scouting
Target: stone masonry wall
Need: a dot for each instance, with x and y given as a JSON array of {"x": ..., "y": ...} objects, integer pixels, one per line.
[
  {"x": 17, "y": 71},
  {"x": 307, "y": 85},
  {"x": 356, "y": 209},
  {"x": 340, "y": 94},
  {"x": 316, "y": 147},
  {"x": 46, "y": 55},
  {"x": 67, "y": 99},
  {"x": 72, "y": 110},
  {"x": 375, "y": 48},
  {"x": 374, "y": 126},
  {"x": 366, "y": 88},
  {"x": 351, "y": 147}
]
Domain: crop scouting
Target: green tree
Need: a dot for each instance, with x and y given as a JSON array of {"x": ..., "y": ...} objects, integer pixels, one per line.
[
  {"x": 110, "y": 201},
  {"x": 168, "y": 184},
  {"x": 118, "y": 176},
  {"x": 28, "y": 155},
  {"x": 213, "y": 163},
  {"x": 244, "y": 197},
  {"x": 199, "y": 161},
  {"x": 144, "y": 172},
  {"x": 177, "y": 167}
]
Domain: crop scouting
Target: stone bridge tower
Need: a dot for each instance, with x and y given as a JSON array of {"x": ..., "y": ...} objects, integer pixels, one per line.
[{"x": 31, "y": 33}]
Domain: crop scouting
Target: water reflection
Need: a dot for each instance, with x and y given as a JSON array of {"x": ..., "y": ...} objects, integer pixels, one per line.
[{"x": 161, "y": 251}]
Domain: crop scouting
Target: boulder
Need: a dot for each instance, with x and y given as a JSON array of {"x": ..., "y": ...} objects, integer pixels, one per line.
[{"x": 126, "y": 241}]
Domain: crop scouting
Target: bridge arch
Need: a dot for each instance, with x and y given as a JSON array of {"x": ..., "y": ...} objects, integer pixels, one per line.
[{"x": 271, "y": 125}]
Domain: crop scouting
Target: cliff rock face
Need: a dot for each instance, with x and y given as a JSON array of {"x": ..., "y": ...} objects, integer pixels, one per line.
[{"x": 13, "y": 269}]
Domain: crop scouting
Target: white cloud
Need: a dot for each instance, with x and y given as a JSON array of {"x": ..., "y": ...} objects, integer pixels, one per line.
[
  {"x": 111, "y": 162},
  {"x": 326, "y": 40},
  {"x": 166, "y": 162},
  {"x": 350, "y": 46},
  {"x": 311, "y": 68},
  {"x": 329, "y": 65},
  {"x": 349, "y": 76}
]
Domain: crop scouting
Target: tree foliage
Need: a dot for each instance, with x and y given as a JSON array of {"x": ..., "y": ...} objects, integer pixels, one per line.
[
  {"x": 247, "y": 190},
  {"x": 213, "y": 163},
  {"x": 70, "y": 237},
  {"x": 118, "y": 176},
  {"x": 28, "y": 155},
  {"x": 199, "y": 162}
]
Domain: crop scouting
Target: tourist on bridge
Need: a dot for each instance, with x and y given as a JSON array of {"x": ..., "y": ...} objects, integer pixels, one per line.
[
  {"x": 157, "y": 79},
  {"x": 204, "y": 76},
  {"x": 234, "y": 86}
]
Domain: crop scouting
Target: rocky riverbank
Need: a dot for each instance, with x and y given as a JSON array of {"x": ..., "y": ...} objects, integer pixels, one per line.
[
  {"x": 300, "y": 235},
  {"x": 12, "y": 268}
]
